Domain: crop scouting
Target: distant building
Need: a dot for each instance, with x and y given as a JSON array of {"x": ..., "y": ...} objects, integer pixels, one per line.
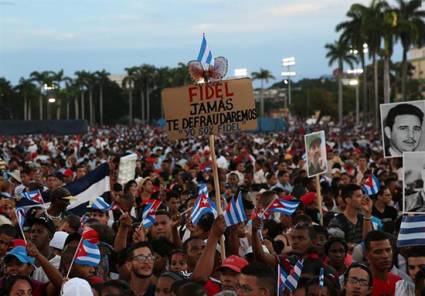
[
  {"x": 416, "y": 57},
  {"x": 117, "y": 78}
]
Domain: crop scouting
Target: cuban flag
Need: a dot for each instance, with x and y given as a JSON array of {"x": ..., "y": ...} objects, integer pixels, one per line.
[
  {"x": 149, "y": 213},
  {"x": 20, "y": 215},
  {"x": 291, "y": 281},
  {"x": 371, "y": 185},
  {"x": 412, "y": 231},
  {"x": 285, "y": 207},
  {"x": 235, "y": 212},
  {"x": 204, "y": 55},
  {"x": 281, "y": 278},
  {"x": 34, "y": 196},
  {"x": 203, "y": 205},
  {"x": 88, "y": 254}
]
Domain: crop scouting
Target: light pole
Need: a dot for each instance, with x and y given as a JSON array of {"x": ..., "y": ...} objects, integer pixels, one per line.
[
  {"x": 355, "y": 82},
  {"x": 83, "y": 88},
  {"x": 288, "y": 62},
  {"x": 49, "y": 89},
  {"x": 129, "y": 86}
]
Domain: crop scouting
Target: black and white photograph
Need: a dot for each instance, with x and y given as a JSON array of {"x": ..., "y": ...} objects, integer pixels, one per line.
[
  {"x": 414, "y": 181},
  {"x": 316, "y": 153},
  {"x": 402, "y": 128}
]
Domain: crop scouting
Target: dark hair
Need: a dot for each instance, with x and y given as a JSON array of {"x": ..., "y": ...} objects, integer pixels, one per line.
[
  {"x": 402, "y": 109},
  {"x": 317, "y": 229},
  {"x": 190, "y": 288},
  {"x": 162, "y": 246},
  {"x": 266, "y": 277},
  {"x": 75, "y": 236},
  {"x": 8, "y": 230},
  {"x": 361, "y": 266},
  {"x": 10, "y": 281},
  {"x": 58, "y": 193},
  {"x": 348, "y": 190},
  {"x": 335, "y": 240},
  {"x": 373, "y": 236},
  {"x": 186, "y": 242},
  {"x": 73, "y": 221},
  {"x": 123, "y": 287},
  {"x": 416, "y": 251},
  {"x": 136, "y": 246}
]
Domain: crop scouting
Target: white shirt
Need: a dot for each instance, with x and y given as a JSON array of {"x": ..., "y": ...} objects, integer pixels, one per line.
[{"x": 40, "y": 275}]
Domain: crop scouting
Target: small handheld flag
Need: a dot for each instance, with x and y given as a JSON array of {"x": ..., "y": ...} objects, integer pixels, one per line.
[
  {"x": 149, "y": 213},
  {"x": 412, "y": 231},
  {"x": 203, "y": 205},
  {"x": 285, "y": 207},
  {"x": 235, "y": 212},
  {"x": 281, "y": 278},
  {"x": 34, "y": 196},
  {"x": 90, "y": 235},
  {"x": 322, "y": 277},
  {"x": 20, "y": 214},
  {"x": 88, "y": 254},
  {"x": 204, "y": 55},
  {"x": 371, "y": 185},
  {"x": 291, "y": 281}
]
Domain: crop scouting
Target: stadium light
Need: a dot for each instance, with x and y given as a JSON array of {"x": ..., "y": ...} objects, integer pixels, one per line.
[
  {"x": 241, "y": 72},
  {"x": 52, "y": 100},
  {"x": 289, "y": 73},
  {"x": 355, "y": 71},
  {"x": 288, "y": 61}
]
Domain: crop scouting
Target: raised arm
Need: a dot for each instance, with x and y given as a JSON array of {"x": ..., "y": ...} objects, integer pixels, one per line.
[{"x": 257, "y": 246}]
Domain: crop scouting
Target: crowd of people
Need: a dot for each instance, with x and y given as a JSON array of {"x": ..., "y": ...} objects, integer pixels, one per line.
[{"x": 351, "y": 252}]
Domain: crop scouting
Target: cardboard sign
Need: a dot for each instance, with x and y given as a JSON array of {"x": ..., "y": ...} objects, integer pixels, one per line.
[
  {"x": 209, "y": 109},
  {"x": 126, "y": 171},
  {"x": 315, "y": 145}
]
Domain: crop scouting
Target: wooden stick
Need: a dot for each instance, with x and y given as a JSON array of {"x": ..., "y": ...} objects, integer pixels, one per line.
[
  {"x": 217, "y": 190},
  {"x": 73, "y": 258},
  {"x": 20, "y": 227},
  {"x": 319, "y": 198},
  {"x": 186, "y": 211}
]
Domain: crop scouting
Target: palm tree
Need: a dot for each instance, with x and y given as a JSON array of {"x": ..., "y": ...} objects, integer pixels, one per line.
[
  {"x": 41, "y": 78},
  {"x": 352, "y": 34},
  {"x": 25, "y": 88},
  {"x": 148, "y": 82},
  {"x": 128, "y": 83},
  {"x": 338, "y": 52},
  {"x": 57, "y": 79},
  {"x": 102, "y": 77},
  {"x": 263, "y": 75},
  {"x": 410, "y": 30},
  {"x": 86, "y": 81}
]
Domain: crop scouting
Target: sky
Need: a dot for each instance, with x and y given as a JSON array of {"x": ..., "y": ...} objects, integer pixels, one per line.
[{"x": 114, "y": 34}]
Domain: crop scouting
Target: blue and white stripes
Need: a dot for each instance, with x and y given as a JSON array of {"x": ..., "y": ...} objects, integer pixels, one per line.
[
  {"x": 322, "y": 277},
  {"x": 285, "y": 207},
  {"x": 204, "y": 55},
  {"x": 88, "y": 254},
  {"x": 292, "y": 279},
  {"x": 371, "y": 185},
  {"x": 203, "y": 205},
  {"x": 235, "y": 212},
  {"x": 412, "y": 231},
  {"x": 99, "y": 204}
]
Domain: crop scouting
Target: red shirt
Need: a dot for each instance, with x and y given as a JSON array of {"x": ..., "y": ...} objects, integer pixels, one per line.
[{"x": 385, "y": 287}]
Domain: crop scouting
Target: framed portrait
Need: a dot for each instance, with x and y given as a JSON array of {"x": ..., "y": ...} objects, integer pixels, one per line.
[
  {"x": 413, "y": 182},
  {"x": 315, "y": 146},
  {"x": 402, "y": 128}
]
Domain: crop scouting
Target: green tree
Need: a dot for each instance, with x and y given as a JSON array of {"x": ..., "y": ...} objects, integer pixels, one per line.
[
  {"x": 263, "y": 75},
  {"x": 41, "y": 78},
  {"x": 128, "y": 83},
  {"x": 338, "y": 52},
  {"x": 102, "y": 77},
  {"x": 410, "y": 30},
  {"x": 26, "y": 89}
]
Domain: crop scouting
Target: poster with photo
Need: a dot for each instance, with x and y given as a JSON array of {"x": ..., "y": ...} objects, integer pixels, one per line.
[
  {"x": 402, "y": 128},
  {"x": 413, "y": 182},
  {"x": 315, "y": 146}
]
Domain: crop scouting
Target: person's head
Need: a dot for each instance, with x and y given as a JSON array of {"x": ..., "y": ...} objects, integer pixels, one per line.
[
  {"x": 313, "y": 152},
  {"x": 81, "y": 172},
  {"x": 415, "y": 261},
  {"x": 403, "y": 127},
  {"x": 379, "y": 251},
  {"x": 178, "y": 261},
  {"x": 162, "y": 225},
  {"x": 230, "y": 271},
  {"x": 358, "y": 280},
  {"x": 233, "y": 179},
  {"x": 384, "y": 195},
  {"x": 193, "y": 247},
  {"x": 41, "y": 231},
  {"x": 99, "y": 209},
  {"x": 300, "y": 237},
  {"x": 283, "y": 177},
  {"x": 140, "y": 260},
  {"x": 17, "y": 262},
  {"x": 266, "y": 198},
  {"x": 70, "y": 224},
  {"x": 7, "y": 234},
  {"x": 271, "y": 179},
  {"x": 161, "y": 249},
  {"x": 53, "y": 182},
  {"x": 173, "y": 202},
  {"x": 420, "y": 282},
  {"x": 319, "y": 237},
  {"x": 17, "y": 286},
  {"x": 257, "y": 279},
  {"x": 190, "y": 288},
  {"x": 146, "y": 185},
  {"x": 336, "y": 249},
  {"x": 164, "y": 283},
  {"x": 313, "y": 287},
  {"x": 353, "y": 196},
  {"x": 116, "y": 288},
  {"x": 60, "y": 198}
]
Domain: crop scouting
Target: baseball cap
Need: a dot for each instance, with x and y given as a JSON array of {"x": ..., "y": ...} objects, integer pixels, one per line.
[
  {"x": 234, "y": 263},
  {"x": 99, "y": 204},
  {"x": 77, "y": 287},
  {"x": 21, "y": 254},
  {"x": 68, "y": 173},
  {"x": 45, "y": 221}
]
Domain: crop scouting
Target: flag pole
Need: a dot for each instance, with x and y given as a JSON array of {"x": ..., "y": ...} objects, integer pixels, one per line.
[
  {"x": 73, "y": 258},
  {"x": 20, "y": 227},
  {"x": 319, "y": 198},
  {"x": 217, "y": 190}
]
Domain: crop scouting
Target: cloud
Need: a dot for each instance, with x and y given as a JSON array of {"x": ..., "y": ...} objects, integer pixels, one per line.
[
  {"x": 294, "y": 9},
  {"x": 47, "y": 34}
]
